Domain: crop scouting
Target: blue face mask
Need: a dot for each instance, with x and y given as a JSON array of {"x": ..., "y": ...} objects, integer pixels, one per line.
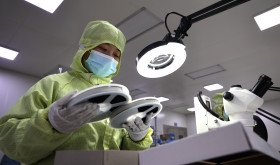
[{"x": 101, "y": 64}]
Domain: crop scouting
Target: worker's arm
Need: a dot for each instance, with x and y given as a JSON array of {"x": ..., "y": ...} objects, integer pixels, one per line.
[{"x": 26, "y": 134}]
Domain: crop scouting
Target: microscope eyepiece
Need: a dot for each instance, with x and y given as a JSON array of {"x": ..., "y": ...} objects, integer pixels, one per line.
[{"x": 262, "y": 86}]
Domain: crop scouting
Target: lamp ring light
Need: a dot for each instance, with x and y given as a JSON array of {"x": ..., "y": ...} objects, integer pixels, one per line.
[{"x": 164, "y": 57}]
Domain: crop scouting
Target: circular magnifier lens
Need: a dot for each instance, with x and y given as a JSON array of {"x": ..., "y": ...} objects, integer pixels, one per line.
[{"x": 161, "y": 61}]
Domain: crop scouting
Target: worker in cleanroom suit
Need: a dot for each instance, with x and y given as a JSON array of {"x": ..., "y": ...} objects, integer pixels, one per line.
[{"x": 39, "y": 124}]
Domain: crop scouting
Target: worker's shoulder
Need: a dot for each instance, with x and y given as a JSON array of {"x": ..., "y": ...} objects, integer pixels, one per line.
[
  {"x": 56, "y": 78},
  {"x": 60, "y": 76}
]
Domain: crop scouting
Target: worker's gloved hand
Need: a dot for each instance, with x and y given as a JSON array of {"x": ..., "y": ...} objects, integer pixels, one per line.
[
  {"x": 67, "y": 120},
  {"x": 137, "y": 129}
]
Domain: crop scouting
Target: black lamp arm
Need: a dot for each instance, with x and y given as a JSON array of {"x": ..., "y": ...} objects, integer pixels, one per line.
[
  {"x": 215, "y": 8},
  {"x": 211, "y": 10}
]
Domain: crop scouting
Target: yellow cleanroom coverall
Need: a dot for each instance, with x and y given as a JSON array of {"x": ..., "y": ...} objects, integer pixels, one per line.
[{"x": 25, "y": 132}]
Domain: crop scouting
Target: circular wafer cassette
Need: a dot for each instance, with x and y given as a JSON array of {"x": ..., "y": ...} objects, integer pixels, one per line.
[
  {"x": 137, "y": 108},
  {"x": 107, "y": 96}
]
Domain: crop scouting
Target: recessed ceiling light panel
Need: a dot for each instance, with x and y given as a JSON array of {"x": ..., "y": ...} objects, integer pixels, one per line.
[
  {"x": 213, "y": 87},
  {"x": 191, "y": 109},
  {"x": 268, "y": 19},
  {"x": 8, "y": 53},
  {"x": 162, "y": 99},
  {"x": 48, "y": 5}
]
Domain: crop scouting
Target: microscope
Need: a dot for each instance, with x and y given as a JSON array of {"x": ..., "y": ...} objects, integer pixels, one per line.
[{"x": 239, "y": 104}]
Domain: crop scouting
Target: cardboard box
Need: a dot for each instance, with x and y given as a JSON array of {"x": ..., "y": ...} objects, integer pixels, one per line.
[
  {"x": 231, "y": 144},
  {"x": 108, "y": 157}
]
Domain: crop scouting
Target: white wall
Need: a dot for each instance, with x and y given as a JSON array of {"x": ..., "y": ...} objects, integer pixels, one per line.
[
  {"x": 12, "y": 86},
  {"x": 191, "y": 124},
  {"x": 169, "y": 118}
]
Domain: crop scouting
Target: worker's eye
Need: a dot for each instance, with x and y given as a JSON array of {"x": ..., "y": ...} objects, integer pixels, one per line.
[
  {"x": 102, "y": 48},
  {"x": 117, "y": 56}
]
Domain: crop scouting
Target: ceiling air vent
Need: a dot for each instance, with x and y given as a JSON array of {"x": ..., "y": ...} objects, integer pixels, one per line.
[{"x": 205, "y": 72}]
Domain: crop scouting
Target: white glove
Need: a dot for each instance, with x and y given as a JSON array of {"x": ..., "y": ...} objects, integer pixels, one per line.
[
  {"x": 137, "y": 129},
  {"x": 67, "y": 120}
]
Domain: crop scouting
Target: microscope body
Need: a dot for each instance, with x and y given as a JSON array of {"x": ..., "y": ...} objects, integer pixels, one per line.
[{"x": 239, "y": 104}]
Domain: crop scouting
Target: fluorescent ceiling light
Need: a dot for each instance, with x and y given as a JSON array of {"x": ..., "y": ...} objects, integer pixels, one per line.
[
  {"x": 162, "y": 99},
  {"x": 138, "y": 23},
  {"x": 48, "y": 5},
  {"x": 213, "y": 87},
  {"x": 7, "y": 53},
  {"x": 191, "y": 109},
  {"x": 268, "y": 19},
  {"x": 205, "y": 72}
]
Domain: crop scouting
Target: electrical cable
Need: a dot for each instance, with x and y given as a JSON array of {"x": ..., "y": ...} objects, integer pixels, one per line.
[
  {"x": 268, "y": 117},
  {"x": 277, "y": 89},
  {"x": 264, "y": 111},
  {"x": 207, "y": 108},
  {"x": 274, "y": 87},
  {"x": 166, "y": 26}
]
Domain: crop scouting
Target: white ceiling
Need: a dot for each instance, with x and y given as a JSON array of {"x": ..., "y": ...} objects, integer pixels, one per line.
[{"x": 231, "y": 39}]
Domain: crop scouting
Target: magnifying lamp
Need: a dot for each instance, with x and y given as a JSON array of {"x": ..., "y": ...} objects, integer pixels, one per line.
[{"x": 163, "y": 57}]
